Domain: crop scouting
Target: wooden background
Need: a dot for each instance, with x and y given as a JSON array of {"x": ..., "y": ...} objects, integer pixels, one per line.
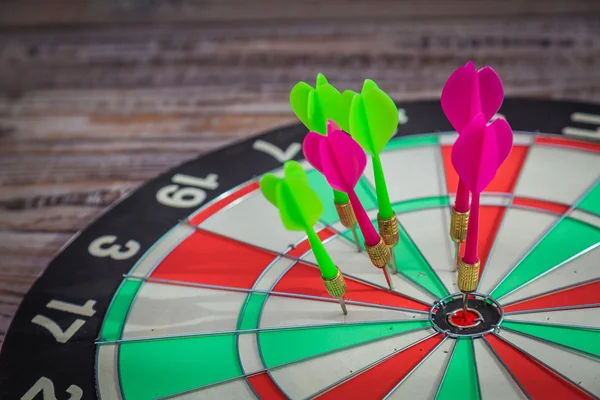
[{"x": 98, "y": 96}]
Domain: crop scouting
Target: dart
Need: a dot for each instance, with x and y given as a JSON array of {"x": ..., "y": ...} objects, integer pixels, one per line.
[
  {"x": 300, "y": 208},
  {"x": 313, "y": 107},
  {"x": 466, "y": 93},
  {"x": 477, "y": 154},
  {"x": 372, "y": 122},
  {"x": 342, "y": 161}
]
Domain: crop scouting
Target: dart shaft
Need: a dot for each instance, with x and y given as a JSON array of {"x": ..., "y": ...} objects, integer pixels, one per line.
[
  {"x": 461, "y": 204},
  {"x": 473, "y": 231},
  {"x": 366, "y": 227},
  {"x": 383, "y": 198},
  {"x": 326, "y": 265}
]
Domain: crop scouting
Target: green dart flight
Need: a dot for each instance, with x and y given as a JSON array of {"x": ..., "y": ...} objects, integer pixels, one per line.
[
  {"x": 372, "y": 121},
  {"x": 300, "y": 208},
  {"x": 314, "y": 106}
]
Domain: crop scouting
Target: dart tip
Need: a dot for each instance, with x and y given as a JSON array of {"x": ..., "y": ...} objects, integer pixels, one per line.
[
  {"x": 465, "y": 303},
  {"x": 456, "y": 253},
  {"x": 393, "y": 261},
  {"x": 343, "y": 305},
  {"x": 387, "y": 278}
]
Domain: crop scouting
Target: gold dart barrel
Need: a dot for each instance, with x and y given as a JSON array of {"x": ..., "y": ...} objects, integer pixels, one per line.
[
  {"x": 335, "y": 286},
  {"x": 468, "y": 276},
  {"x": 388, "y": 229},
  {"x": 458, "y": 226},
  {"x": 346, "y": 214},
  {"x": 379, "y": 254}
]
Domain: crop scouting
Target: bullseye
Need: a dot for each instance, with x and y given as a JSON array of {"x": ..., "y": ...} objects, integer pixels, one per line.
[
  {"x": 463, "y": 320},
  {"x": 483, "y": 315}
]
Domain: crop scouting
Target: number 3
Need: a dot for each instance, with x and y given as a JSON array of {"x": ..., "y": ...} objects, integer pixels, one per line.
[{"x": 98, "y": 248}]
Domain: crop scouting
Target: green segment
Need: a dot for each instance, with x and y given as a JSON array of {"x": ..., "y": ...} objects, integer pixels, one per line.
[
  {"x": 383, "y": 198},
  {"x": 254, "y": 304},
  {"x": 412, "y": 141},
  {"x": 176, "y": 365},
  {"x": 326, "y": 265},
  {"x": 591, "y": 202},
  {"x": 567, "y": 239},
  {"x": 317, "y": 181},
  {"x": 410, "y": 262},
  {"x": 460, "y": 380},
  {"x": 290, "y": 345},
  {"x": 419, "y": 204},
  {"x": 582, "y": 339},
  {"x": 115, "y": 317}
]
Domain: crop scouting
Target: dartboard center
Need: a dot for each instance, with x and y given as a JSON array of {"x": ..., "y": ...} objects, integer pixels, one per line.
[{"x": 483, "y": 315}]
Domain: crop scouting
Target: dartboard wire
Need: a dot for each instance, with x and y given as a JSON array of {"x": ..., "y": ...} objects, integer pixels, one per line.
[
  {"x": 551, "y": 324},
  {"x": 267, "y": 370},
  {"x": 269, "y": 292},
  {"x": 346, "y": 242},
  {"x": 476, "y": 368},
  {"x": 301, "y": 258},
  {"x": 551, "y": 269},
  {"x": 254, "y": 330},
  {"x": 508, "y": 370},
  {"x": 415, "y": 368},
  {"x": 561, "y": 308},
  {"x": 551, "y": 291},
  {"x": 545, "y": 365},
  {"x": 420, "y": 253},
  {"x": 370, "y": 366},
  {"x": 506, "y": 210},
  {"x": 439, "y": 388},
  {"x": 541, "y": 238},
  {"x": 569, "y": 349}
]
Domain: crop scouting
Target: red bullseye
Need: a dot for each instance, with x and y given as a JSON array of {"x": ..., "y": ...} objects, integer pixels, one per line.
[{"x": 464, "y": 320}]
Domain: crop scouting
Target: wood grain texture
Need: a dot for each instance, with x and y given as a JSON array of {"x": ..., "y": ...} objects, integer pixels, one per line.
[{"x": 97, "y": 97}]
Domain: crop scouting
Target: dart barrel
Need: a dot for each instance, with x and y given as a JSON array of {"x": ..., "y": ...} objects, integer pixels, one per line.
[
  {"x": 458, "y": 225},
  {"x": 388, "y": 229},
  {"x": 468, "y": 276},
  {"x": 346, "y": 214},
  {"x": 335, "y": 286},
  {"x": 379, "y": 254}
]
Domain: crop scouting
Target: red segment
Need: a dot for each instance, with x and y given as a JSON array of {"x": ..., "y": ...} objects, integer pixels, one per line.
[
  {"x": 539, "y": 381},
  {"x": 505, "y": 179},
  {"x": 219, "y": 204},
  {"x": 379, "y": 380},
  {"x": 541, "y": 204},
  {"x": 265, "y": 388},
  {"x": 490, "y": 218},
  {"x": 208, "y": 258},
  {"x": 562, "y": 142},
  {"x": 306, "y": 279},
  {"x": 580, "y": 295},
  {"x": 304, "y": 246}
]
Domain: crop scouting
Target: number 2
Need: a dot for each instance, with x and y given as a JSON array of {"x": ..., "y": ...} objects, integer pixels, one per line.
[{"x": 46, "y": 387}]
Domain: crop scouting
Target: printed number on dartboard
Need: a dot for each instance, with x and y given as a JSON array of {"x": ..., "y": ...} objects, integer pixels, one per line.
[
  {"x": 60, "y": 335},
  {"x": 46, "y": 387},
  {"x": 186, "y": 191}
]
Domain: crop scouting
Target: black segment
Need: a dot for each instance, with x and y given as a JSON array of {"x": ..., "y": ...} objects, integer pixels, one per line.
[
  {"x": 490, "y": 314},
  {"x": 30, "y": 352}
]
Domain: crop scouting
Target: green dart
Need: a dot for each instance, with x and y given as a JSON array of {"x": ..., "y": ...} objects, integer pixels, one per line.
[
  {"x": 372, "y": 121},
  {"x": 300, "y": 208},
  {"x": 313, "y": 107}
]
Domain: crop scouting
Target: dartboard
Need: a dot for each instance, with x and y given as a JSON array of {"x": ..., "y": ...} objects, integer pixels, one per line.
[{"x": 190, "y": 288}]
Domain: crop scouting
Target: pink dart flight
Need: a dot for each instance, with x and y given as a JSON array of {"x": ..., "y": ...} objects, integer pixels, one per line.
[
  {"x": 476, "y": 156},
  {"x": 342, "y": 161},
  {"x": 468, "y": 92}
]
